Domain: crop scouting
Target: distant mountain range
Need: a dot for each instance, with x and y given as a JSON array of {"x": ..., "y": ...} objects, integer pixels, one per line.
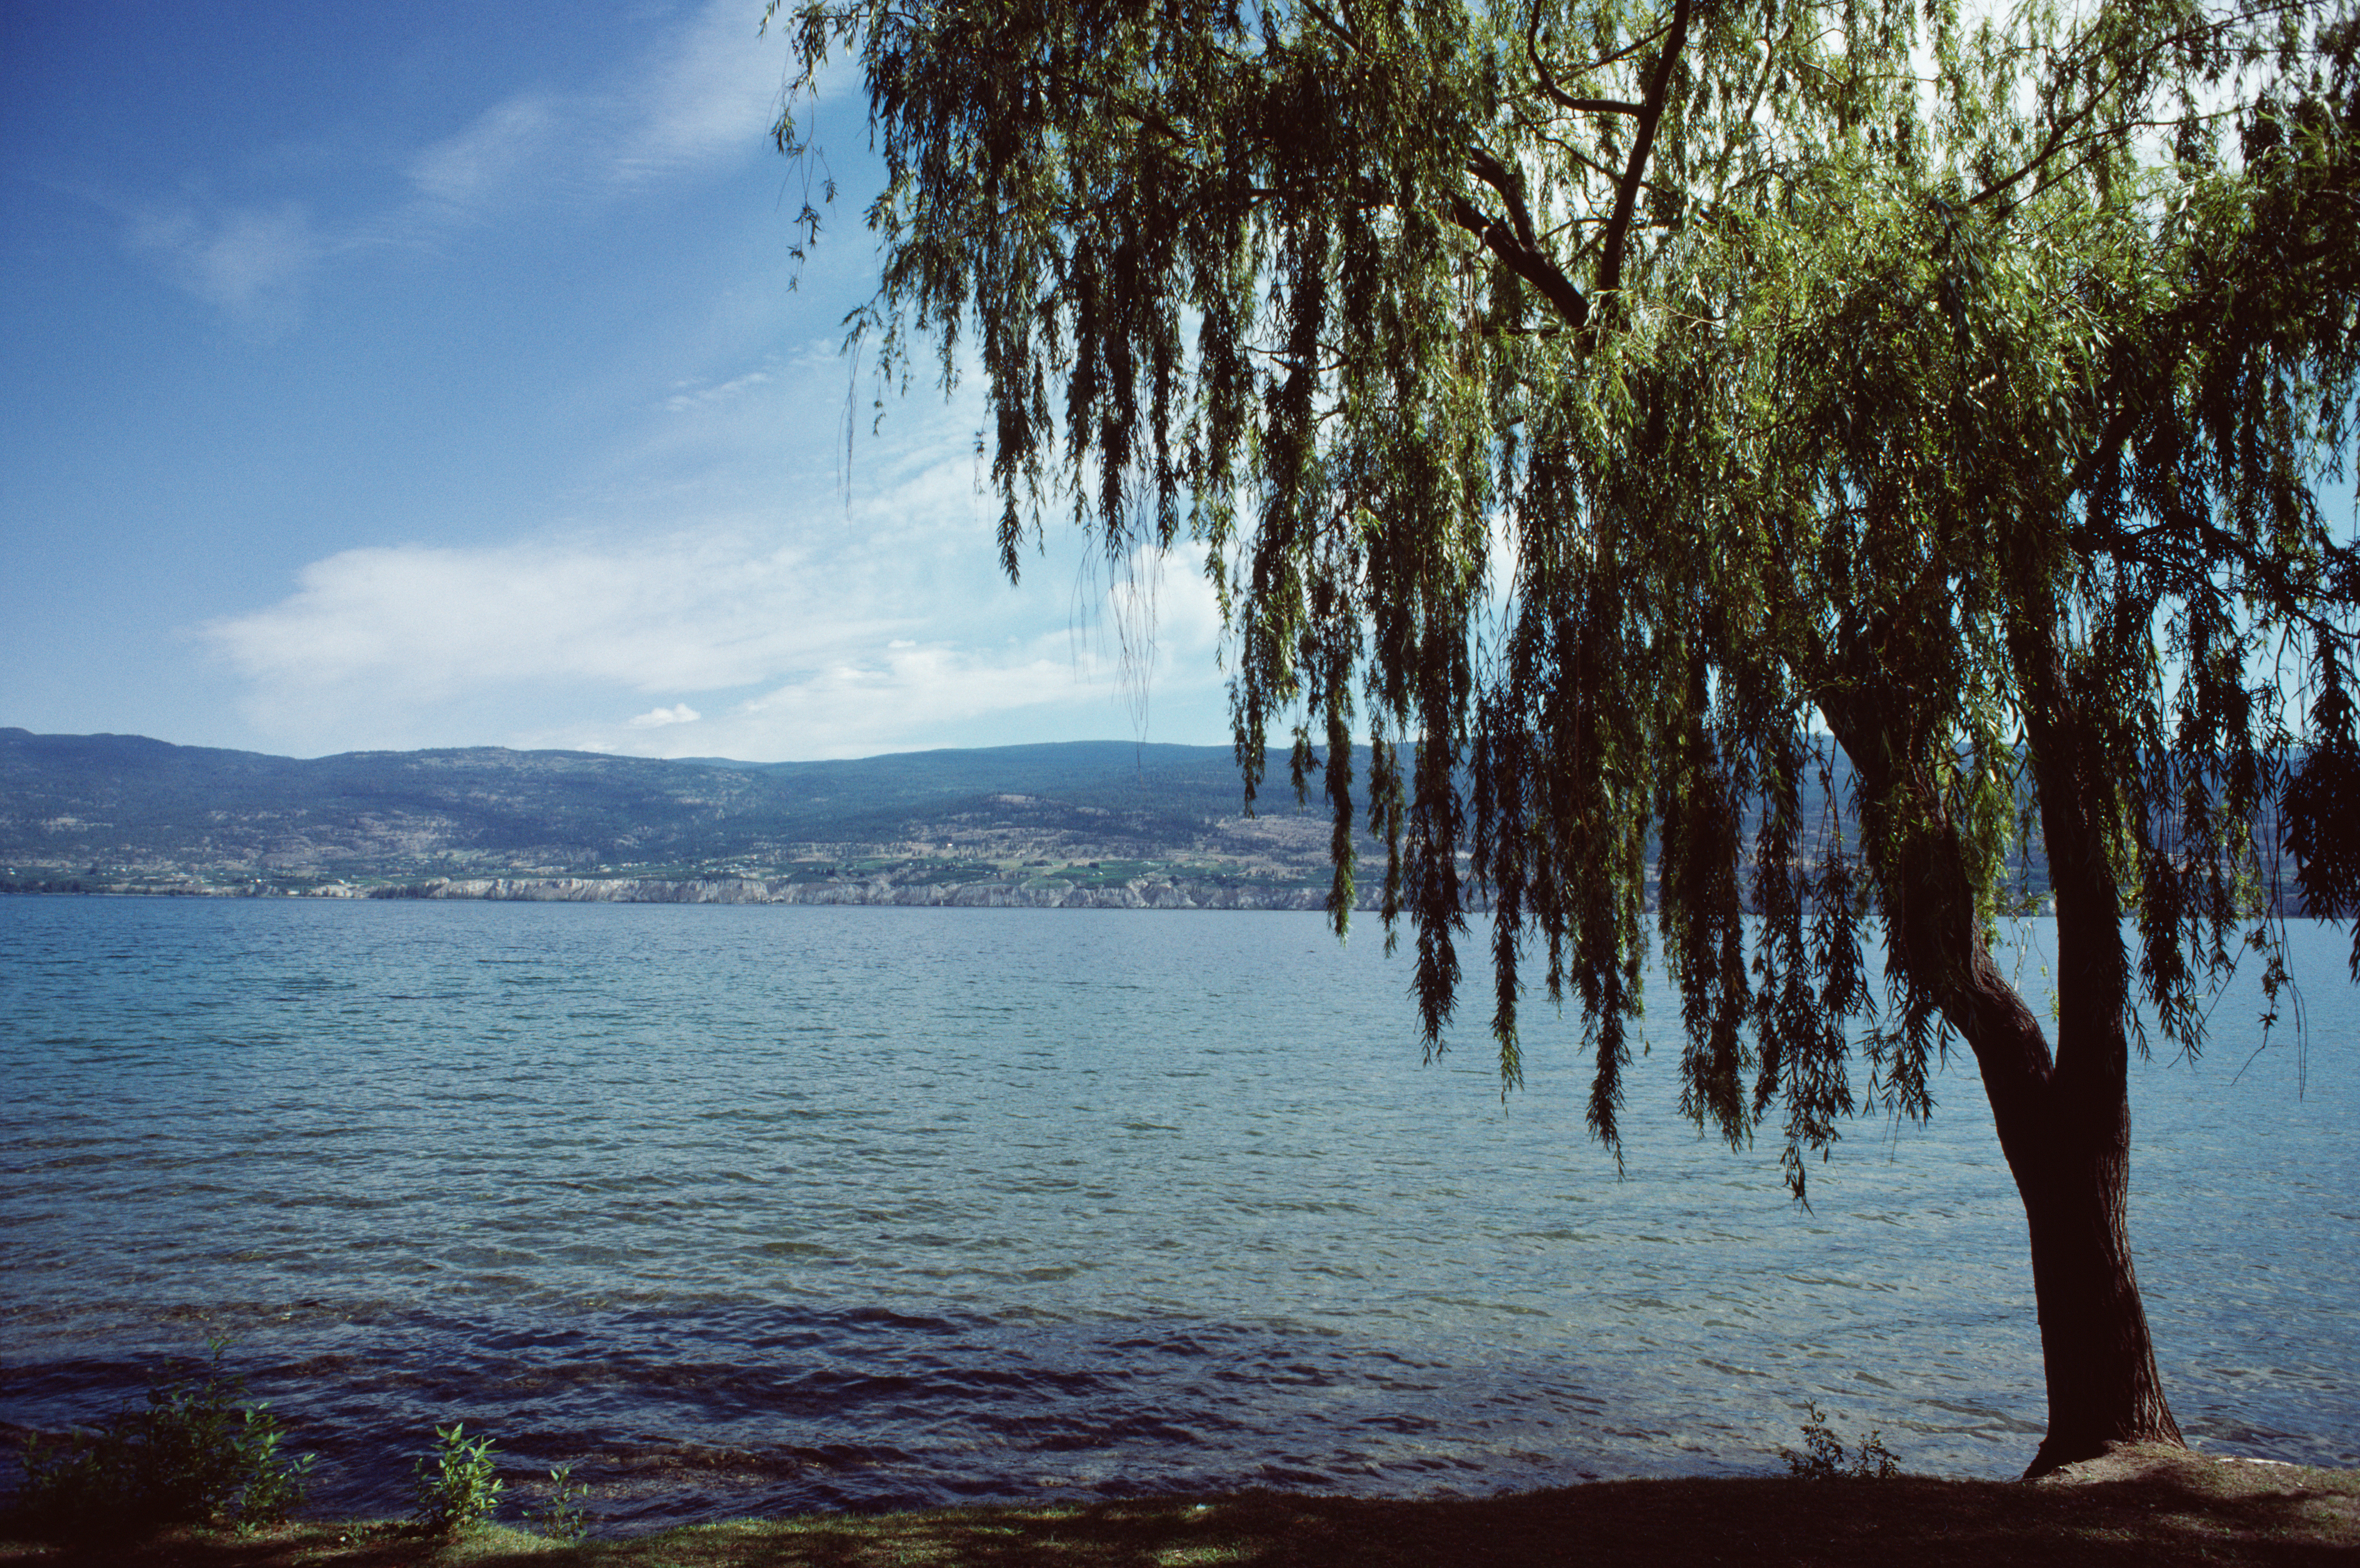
[
  {"x": 1086, "y": 822},
  {"x": 110, "y": 812}
]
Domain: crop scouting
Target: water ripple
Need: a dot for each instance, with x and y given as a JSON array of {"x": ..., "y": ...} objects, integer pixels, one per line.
[{"x": 760, "y": 1209}]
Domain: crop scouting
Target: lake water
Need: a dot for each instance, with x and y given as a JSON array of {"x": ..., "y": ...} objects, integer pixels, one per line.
[{"x": 765, "y": 1209}]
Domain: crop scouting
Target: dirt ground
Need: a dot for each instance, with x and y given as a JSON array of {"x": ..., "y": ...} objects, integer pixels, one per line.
[{"x": 2137, "y": 1507}]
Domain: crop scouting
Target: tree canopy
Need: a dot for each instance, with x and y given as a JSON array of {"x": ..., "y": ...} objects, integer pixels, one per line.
[{"x": 1612, "y": 408}]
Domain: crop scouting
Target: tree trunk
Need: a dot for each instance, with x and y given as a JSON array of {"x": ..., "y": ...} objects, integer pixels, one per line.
[
  {"x": 2063, "y": 1123},
  {"x": 2103, "y": 1385},
  {"x": 2067, "y": 1138}
]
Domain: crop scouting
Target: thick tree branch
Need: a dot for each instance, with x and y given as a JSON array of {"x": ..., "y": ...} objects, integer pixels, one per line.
[
  {"x": 1516, "y": 242},
  {"x": 1493, "y": 173},
  {"x": 1594, "y": 105},
  {"x": 1927, "y": 895},
  {"x": 1618, "y": 227},
  {"x": 1527, "y": 260}
]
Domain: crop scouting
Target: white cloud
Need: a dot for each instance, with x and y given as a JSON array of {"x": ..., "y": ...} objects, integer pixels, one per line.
[
  {"x": 696, "y": 611},
  {"x": 901, "y": 696},
  {"x": 1091, "y": 663},
  {"x": 899, "y": 637},
  {"x": 657, "y": 718}
]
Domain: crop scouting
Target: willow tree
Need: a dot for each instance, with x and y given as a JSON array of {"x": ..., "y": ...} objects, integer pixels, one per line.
[{"x": 1600, "y": 404}]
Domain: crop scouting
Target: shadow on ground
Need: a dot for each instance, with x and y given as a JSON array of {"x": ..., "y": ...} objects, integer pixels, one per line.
[{"x": 2143, "y": 1507}]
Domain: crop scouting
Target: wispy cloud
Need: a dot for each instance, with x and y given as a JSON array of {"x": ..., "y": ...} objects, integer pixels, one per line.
[
  {"x": 252, "y": 262},
  {"x": 714, "y": 87},
  {"x": 704, "y": 99},
  {"x": 506, "y": 144},
  {"x": 688, "y": 394}
]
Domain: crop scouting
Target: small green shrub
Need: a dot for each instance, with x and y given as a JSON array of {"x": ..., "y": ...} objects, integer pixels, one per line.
[
  {"x": 562, "y": 1517},
  {"x": 457, "y": 1486},
  {"x": 1824, "y": 1457},
  {"x": 198, "y": 1451}
]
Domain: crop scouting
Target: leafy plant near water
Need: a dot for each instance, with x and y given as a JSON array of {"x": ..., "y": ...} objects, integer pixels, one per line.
[
  {"x": 457, "y": 1484},
  {"x": 562, "y": 1517},
  {"x": 1824, "y": 1457},
  {"x": 198, "y": 1451}
]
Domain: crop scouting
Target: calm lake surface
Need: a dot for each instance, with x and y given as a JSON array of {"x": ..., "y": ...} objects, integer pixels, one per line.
[{"x": 766, "y": 1209}]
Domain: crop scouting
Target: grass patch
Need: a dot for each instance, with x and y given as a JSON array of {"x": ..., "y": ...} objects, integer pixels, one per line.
[{"x": 2168, "y": 1508}]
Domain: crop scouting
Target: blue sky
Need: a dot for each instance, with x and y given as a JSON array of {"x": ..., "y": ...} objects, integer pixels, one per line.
[{"x": 430, "y": 375}]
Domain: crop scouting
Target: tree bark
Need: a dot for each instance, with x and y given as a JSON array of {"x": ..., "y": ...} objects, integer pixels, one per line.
[
  {"x": 2064, "y": 1124},
  {"x": 2067, "y": 1133},
  {"x": 2072, "y": 1168}
]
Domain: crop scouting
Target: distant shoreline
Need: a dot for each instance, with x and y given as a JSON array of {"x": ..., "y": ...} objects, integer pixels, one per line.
[{"x": 1038, "y": 893}]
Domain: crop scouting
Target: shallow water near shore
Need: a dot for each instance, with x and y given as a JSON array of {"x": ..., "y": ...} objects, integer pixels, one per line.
[{"x": 758, "y": 1210}]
